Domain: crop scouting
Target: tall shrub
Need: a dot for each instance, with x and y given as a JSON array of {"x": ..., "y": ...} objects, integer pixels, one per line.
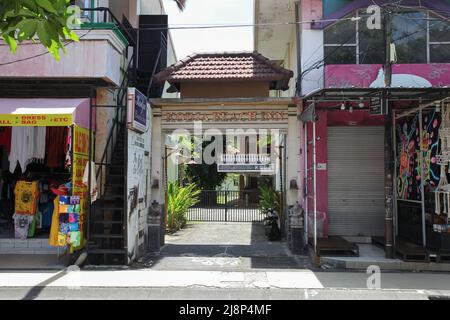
[
  {"x": 180, "y": 199},
  {"x": 268, "y": 198}
]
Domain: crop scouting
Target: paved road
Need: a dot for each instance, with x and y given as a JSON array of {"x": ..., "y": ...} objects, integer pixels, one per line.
[
  {"x": 212, "y": 261},
  {"x": 221, "y": 246},
  {"x": 213, "y": 294},
  {"x": 211, "y": 285}
]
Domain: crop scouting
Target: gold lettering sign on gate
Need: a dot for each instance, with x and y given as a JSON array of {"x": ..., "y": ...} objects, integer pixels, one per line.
[{"x": 225, "y": 116}]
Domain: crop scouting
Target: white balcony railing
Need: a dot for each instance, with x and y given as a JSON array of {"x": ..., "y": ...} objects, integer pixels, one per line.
[{"x": 240, "y": 158}]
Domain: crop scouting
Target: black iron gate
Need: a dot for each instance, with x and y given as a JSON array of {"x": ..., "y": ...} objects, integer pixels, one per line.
[{"x": 228, "y": 206}]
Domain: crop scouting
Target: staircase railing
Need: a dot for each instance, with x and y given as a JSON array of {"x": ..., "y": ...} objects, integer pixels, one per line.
[
  {"x": 158, "y": 64},
  {"x": 105, "y": 15},
  {"x": 119, "y": 123}
]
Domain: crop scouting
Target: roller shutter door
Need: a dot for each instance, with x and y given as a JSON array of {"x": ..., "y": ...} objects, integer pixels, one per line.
[{"x": 356, "y": 181}]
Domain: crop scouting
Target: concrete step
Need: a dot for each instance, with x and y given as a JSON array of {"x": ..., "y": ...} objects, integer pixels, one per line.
[{"x": 28, "y": 246}]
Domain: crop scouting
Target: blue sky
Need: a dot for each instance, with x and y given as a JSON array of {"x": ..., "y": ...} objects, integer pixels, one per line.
[{"x": 207, "y": 12}]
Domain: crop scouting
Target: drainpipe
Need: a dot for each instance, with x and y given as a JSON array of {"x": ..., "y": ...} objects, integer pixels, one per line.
[
  {"x": 388, "y": 157},
  {"x": 298, "y": 89}
]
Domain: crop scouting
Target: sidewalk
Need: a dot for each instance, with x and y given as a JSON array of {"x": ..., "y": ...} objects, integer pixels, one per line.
[
  {"x": 371, "y": 255},
  {"x": 302, "y": 279}
]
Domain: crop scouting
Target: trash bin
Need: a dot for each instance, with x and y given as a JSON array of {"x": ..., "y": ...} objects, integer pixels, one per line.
[{"x": 296, "y": 229}]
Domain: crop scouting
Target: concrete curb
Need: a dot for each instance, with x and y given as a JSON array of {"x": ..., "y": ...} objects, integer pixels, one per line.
[{"x": 395, "y": 265}]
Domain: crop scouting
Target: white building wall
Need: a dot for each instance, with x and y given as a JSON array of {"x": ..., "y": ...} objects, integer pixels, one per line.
[
  {"x": 312, "y": 52},
  {"x": 292, "y": 156}
]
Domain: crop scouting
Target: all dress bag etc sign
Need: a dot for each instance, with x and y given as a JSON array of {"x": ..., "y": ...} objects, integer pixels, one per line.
[{"x": 137, "y": 111}]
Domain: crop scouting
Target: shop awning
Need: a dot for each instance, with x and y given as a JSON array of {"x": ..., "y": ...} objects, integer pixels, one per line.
[
  {"x": 44, "y": 112},
  {"x": 393, "y": 94}
]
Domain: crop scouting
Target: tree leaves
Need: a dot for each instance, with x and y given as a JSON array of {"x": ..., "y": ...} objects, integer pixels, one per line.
[
  {"x": 11, "y": 42},
  {"x": 27, "y": 29},
  {"x": 46, "y": 5},
  {"x": 46, "y": 20}
]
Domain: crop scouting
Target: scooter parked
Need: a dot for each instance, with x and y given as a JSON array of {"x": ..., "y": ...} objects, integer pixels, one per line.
[{"x": 271, "y": 229}]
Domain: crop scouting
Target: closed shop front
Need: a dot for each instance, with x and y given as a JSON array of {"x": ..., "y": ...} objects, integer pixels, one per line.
[{"x": 356, "y": 181}]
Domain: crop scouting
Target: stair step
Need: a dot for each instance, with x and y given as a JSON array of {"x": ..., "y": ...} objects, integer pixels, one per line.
[
  {"x": 106, "y": 236},
  {"x": 112, "y": 208},
  {"x": 113, "y": 197},
  {"x": 107, "y": 251},
  {"x": 108, "y": 222}
]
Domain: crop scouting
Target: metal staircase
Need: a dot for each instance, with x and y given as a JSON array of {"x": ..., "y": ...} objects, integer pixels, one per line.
[
  {"x": 107, "y": 221},
  {"x": 107, "y": 231}
]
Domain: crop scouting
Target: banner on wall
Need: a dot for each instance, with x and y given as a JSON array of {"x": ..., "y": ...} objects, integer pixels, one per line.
[
  {"x": 36, "y": 120},
  {"x": 80, "y": 158}
]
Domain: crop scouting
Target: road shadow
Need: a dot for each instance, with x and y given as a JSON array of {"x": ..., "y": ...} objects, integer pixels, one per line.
[{"x": 223, "y": 249}]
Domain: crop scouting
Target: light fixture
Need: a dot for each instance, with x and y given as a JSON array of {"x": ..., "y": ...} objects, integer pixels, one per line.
[{"x": 361, "y": 103}]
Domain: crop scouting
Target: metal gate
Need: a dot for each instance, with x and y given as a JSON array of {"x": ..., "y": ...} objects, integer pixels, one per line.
[{"x": 227, "y": 206}]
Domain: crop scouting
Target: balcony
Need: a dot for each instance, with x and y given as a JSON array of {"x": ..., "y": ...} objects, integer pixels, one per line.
[
  {"x": 97, "y": 58},
  {"x": 246, "y": 163}
]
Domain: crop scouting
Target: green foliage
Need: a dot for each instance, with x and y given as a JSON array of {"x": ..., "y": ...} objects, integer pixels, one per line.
[
  {"x": 269, "y": 198},
  {"x": 205, "y": 176},
  {"x": 43, "y": 20},
  {"x": 180, "y": 199}
]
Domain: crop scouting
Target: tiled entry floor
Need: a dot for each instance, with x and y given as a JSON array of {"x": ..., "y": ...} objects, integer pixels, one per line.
[
  {"x": 16, "y": 254},
  {"x": 29, "y": 246}
]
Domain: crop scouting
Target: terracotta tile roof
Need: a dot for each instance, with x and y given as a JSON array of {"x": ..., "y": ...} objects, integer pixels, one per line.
[{"x": 242, "y": 66}]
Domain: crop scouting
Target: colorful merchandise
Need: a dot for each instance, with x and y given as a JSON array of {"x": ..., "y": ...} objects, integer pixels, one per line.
[
  {"x": 75, "y": 239},
  {"x": 26, "y": 196},
  {"x": 62, "y": 239},
  {"x": 55, "y": 146},
  {"x": 73, "y": 217},
  {"x": 74, "y": 227},
  {"x": 21, "y": 225},
  {"x": 67, "y": 223},
  {"x": 32, "y": 227},
  {"x": 5, "y": 138},
  {"x": 54, "y": 230},
  {"x": 27, "y": 144}
]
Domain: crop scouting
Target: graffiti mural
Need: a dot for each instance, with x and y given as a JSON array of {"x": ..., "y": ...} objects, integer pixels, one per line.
[
  {"x": 408, "y": 178},
  {"x": 430, "y": 148},
  {"x": 411, "y": 146}
]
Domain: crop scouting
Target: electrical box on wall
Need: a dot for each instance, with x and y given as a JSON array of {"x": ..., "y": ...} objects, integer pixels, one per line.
[{"x": 321, "y": 166}]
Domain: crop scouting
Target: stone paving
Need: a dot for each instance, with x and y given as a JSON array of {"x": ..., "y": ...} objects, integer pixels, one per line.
[{"x": 222, "y": 246}]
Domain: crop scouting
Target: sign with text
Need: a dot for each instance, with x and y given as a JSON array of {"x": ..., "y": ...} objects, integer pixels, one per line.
[
  {"x": 137, "y": 111},
  {"x": 80, "y": 140},
  {"x": 80, "y": 158},
  {"x": 225, "y": 116},
  {"x": 35, "y": 120},
  {"x": 377, "y": 106}
]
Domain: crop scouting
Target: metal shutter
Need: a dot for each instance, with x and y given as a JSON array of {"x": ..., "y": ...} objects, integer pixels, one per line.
[{"x": 356, "y": 181}]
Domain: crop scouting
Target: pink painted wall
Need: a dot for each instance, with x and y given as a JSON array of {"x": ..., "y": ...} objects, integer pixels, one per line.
[
  {"x": 322, "y": 176},
  {"x": 311, "y": 10},
  {"x": 343, "y": 76},
  {"x": 328, "y": 118}
]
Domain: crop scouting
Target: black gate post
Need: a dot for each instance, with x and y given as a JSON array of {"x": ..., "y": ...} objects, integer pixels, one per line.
[{"x": 226, "y": 205}]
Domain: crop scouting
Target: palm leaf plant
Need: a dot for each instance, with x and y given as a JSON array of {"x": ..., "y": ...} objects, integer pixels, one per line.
[
  {"x": 268, "y": 198},
  {"x": 180, "y": 199}
]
